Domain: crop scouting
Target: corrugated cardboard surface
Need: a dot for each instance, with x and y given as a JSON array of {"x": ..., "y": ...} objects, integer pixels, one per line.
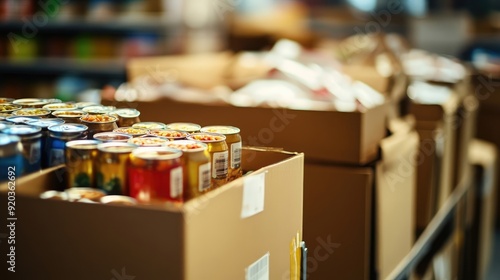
[
  {"x": 342, "y": 137},
  {"x": 63, "y": 240},
  {"x": 338, "y": 206}
]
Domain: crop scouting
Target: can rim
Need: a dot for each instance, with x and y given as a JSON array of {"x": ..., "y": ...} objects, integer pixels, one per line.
[
  {"x": 104, "y": 147},
  {"x": 203, "y": 147},
  {"x": 169, "y": 153},
  {"x": 160, "y": 143},
  {"x": 140, "y": 125},
  {"x": 82, "y": 144},
  {"x": 48, "y": 107},
  {"x": 117, "y": 130},
  {"x": 151, "y": 131},
  {"x": 30, "y": 102},
  {"x": 175, "y": 124},
  {"x": 236, "y": 129},
  {"x": 18, "y": 107},
  {"x": 112, "y": 198},
  {"x": 34, "y": 130},
  {"x": 97, "y": 135},
  {"x": 27, "y": 119},
  {"x": 58, "y": 113},
  {"x": 190, "y": 137},
  {"x": 114, "y": 119},
  {"x": 57, "y": 120},
  {"x": 135, "y": 114},
  {"x": 17, "y": 112}
]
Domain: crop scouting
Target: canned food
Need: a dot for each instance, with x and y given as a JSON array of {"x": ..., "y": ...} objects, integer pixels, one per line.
[
  {"x": 118, "y": 200},
  {"x": 99, "y": 110},
  {"x": 72, "y": 116},
  {"x": 134, "y": 132},
  {"x": 4, "y": 100},
  {"x": 11, "y": 155},
  {"x": 182, "y": 126},
  {"x": 30, "y": 102},
  {"x": 32, "y": 145},
  {"x": 44, "y": 124},
  {"x": 148, "y": 141},
  {"x": 4, "y": 116},
  {"x": 111, "y": 168},
  {"x": 35, "y": 112},
  {"x": 60, "y": 106},
  {"x": 59, "y": 136},
  {"x": 150, "y": 125},
  {"x": 233, "y": 140},
  {"x": 5, "y": 124},
  {"x": 54, "y": 195},
  {"x": 21, "y": 120},
  {"x": 99, "y": 123},
  {"x": 9, "y": 108},
  {"x": 52, "y": 100},
  {"x": 77, "y": 194},
  {"x": 169, "y": 134},
  {"x": 126, "y": 116},
  {"x": 81, "y": 105},
  {"x": 80, "y": 156},
  {"x": 219, "y": 155},
  {"x": 155, "y": 175},
  {"x": 197, "y": 167},
  {"x": 112, "y": 137}
]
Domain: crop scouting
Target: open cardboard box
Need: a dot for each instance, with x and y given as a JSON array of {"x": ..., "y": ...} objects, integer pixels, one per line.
[
  {"x": 367, "y": 211},
  {"x": 205, "y": 238}
]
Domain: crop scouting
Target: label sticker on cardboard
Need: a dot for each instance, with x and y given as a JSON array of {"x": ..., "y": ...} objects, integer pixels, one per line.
[
  {"x": 259, "y": 270},
  {"x": 254, "y": 188}
]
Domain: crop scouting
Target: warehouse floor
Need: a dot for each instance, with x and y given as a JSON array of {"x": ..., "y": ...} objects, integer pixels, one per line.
[{"x": 494, "y": 271}]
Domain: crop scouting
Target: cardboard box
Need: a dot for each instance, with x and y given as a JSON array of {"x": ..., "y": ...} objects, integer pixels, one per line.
[
  {"x": 341, "y": 137},
  {"x": 340, "y": 202},
  {"x": 206, "y": 238}
]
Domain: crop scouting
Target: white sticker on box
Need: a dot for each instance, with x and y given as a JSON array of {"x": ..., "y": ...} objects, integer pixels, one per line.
[
  {"x": 259, "y": 270},
  {"x": 204, "y": 177},
  {"x": 176, "y": 184},
  {"x": 235, "y": 155},
  {"x": 254, "y": 188}
]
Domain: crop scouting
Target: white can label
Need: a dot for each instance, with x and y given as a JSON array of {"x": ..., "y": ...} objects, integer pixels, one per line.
[
  {"x": 235, "y": 155},
  {"x": 176, "y": 184},
  {"x": 220, "y": 164},
  {"x": 204, "y": 177}
]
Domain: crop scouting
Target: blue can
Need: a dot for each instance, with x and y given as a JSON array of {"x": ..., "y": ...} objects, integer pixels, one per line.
[
  {"x": 59, "y": 135},
  {"x": 11, "y": 156},
  {"x": 32, "y": 146},
  {"x": 21, "y": 119},
  {"x": 44, "y": 125}
]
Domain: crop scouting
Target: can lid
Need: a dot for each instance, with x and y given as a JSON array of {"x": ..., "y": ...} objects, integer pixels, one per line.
[
  {"x": 156, "y": 153},
  {"x": 30, "y": 101},
  {"x": 22, "y": 130},
  {"x": 81, "y": 105},
  {"x": 99, "y": 109},
  {"x": 69, "y": 113},
  {"x": 184, "y": 126},
  {"x": 31, "y": 112},
  {"x": 8, "y": 145},
  {"x": 207, "y": 137},
  {"x": 118, "y": 200},
  {"x": 148, "y": 141},
  {"x": 68, "y": 129},
  {"x": 116, "y": 147},
  {"x": 82, "y": 144},
  {"x": 187, "y": 146},
  {"x": 131, "y": 130},
  {"x": 150, "y": 125},
  {"x": 5, "y": 100},
  {"x": 111, "y": 136},
  {"x": 59, "y": 106},
  {"x": 127, "y": 113},
  {"x": 9, "y": 108},
  {"x": 52, "y": 100},
  {"x": 45, "y": 123},
  {"x": 21, "y": 119},
  {"x": 222, "y": 129}
]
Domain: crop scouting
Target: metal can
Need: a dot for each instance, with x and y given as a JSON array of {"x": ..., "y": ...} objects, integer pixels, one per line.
[
  {"x": 197, "y": 167},
  {"x": 30, "y": 102},
  {"x": 148, "y": 141},
  {"x": 150, "y": 125},
  {"x": 5, "y": 100},
  {"x": 32, "y": 145},
  {"x": 21, "y": 120},
  {"x": 155, "y": 174},
  {"x": 219, "y": 155},
  {"x": 134, "y": 132},
  {"x": 80, "y": 156},
  {"x": 59, "y": 136},
  {"x": 170, "y": 134},
  {"x": 54, "y": 195},
  {"x": 111, "y": 167},
  {"x": 44, "y": 124},
  {"x": 233, "y": 140},
  {"x": 60, "y": 107},
  {"x": 98, "y": 110},
  {"x": 11, "y": 155},
  {"x": 183, "y": 126},
  {"x": 112, "y": 137},
  {"x": 84, "y": 194},
  {"x": 126, "y": 116},
  {"x": 99, "y": 123},
  {"x": 72, "y": 116},
  {"x": 32, "y": 112},
  {"x": 81, "y": 105},
  {"x": 4, "y": 125},
  {"x": 9, "y": 108},
  {"x": 118, "y": 200}
]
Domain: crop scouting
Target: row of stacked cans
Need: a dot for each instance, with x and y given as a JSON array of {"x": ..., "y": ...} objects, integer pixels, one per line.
[{"x": 210, "y": 156}]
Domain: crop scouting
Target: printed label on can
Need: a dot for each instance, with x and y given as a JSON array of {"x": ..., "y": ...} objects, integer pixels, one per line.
[
  {"x": 35, "y": 152},
  {"x": 204, "y": 177},
  {"x": 220, "y": 164},
  {"x": 236, "y": 155},
  {"x": 176, "y": 182},
  {"x": 56, "y": 157}
]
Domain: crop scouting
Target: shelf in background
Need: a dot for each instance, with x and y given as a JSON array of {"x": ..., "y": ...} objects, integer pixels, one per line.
[
  {"x": 109, "y": 68},
  {"x": 74, "y": 26}
]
